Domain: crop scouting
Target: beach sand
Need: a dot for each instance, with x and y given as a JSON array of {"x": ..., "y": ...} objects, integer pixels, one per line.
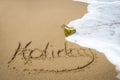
[{"x": 40, "y": 21}]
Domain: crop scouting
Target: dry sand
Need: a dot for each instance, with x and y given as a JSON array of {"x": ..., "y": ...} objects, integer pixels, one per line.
[{"x": 40, "y": 21}]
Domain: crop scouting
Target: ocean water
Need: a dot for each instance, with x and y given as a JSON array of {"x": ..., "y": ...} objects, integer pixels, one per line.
[{"x": 100, "y": 29}]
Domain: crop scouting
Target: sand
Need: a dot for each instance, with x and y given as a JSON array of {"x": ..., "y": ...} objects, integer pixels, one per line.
[{"x": 40, "y": 21}]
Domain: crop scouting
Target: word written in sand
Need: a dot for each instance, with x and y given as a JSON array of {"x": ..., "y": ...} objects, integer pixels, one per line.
[{"x": 29, "y": 54}]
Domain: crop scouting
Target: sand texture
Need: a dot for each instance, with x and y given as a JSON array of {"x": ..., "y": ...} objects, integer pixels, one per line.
[{"x": 33, "y": 45}]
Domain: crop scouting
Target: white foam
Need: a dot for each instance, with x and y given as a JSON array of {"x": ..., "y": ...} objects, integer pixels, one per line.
[
  {"x": 94, "y": 1},
  {"x": 100, "y": 29}
]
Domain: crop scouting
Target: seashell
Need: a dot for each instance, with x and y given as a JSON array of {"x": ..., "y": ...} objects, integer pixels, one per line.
[{"x": 69, "y": 30}]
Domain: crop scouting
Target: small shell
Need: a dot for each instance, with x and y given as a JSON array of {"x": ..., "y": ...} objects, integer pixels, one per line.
[{"x": 69, "y": 31}]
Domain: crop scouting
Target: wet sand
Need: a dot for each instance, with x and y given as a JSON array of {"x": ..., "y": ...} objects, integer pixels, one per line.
[{"x": 40, "y": 21}]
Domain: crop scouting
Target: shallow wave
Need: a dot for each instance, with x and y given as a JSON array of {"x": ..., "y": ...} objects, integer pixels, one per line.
[
  {"x": 93, "y": 1},
  {"x": 100, "y": 29}
]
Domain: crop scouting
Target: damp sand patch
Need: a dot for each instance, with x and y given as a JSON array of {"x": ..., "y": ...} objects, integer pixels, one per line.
[{"x": 65, "y": 59}]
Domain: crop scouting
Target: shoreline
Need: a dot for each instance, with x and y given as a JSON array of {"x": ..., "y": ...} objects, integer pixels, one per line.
[{"x": 40, "y": 22}]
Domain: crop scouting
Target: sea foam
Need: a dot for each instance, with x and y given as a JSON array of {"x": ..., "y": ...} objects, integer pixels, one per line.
[{"x": 100, "y": 29}]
